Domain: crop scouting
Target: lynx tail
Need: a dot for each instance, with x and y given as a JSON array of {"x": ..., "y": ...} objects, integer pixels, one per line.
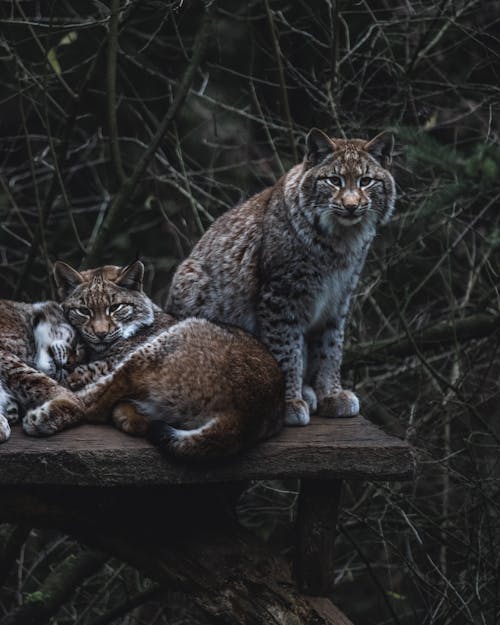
[{"x": 219, "y": 437}]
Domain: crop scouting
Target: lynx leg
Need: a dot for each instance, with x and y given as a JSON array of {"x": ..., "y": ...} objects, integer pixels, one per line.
[
  {"x": 286, "y": 344},
  {"x": 326, "y": 358},
  {"x": 101, "y": 397},
  {"x": 128, "y": 419},
  {"x": 89, "y": 373}
]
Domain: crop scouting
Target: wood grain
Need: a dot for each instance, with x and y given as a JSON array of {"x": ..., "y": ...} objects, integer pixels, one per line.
[{"x": 94, "y": 455}]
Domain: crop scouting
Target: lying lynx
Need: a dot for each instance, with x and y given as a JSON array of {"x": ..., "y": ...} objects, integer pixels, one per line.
[
  {"x": 36, "y": 342},
  {"x": 197, "y": 389},
  {"x": 284, "y": 265}
]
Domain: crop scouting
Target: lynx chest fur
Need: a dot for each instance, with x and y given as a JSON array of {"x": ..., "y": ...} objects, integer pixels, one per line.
[{"x": 285, "y": 264}]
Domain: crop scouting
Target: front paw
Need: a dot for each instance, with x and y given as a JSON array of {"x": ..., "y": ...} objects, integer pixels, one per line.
[
  {"x": 74, "y": 380},
  {"x": 296, "y": 412},
  {"x": 309, "y": 396},
  {"x": 4, "y": 429},
  {"x": 341, "y": 404},
  {"x": 59, "y": 352},
  {"x": 12, "y": 412},
  {"x": 52, "y": 417}
]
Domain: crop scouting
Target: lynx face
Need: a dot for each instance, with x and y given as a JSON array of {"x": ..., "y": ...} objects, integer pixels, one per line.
[
  {"x": 346, "y": 182},
  {"x": 104, "y": 305}
]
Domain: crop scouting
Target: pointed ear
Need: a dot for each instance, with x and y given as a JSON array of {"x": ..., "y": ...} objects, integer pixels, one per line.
[
  {"x": 66, "y": 278},
  {"x": 318, "y": 146},
  {"x": 131, "y": 276},
  {"x": 380, "y": 147}
]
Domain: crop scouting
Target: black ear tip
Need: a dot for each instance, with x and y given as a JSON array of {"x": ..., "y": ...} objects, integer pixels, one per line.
[
  {"x": 136, "y": 265},
  {"x": 317, "y": 135},
  {"x": 381, "y": 147}
]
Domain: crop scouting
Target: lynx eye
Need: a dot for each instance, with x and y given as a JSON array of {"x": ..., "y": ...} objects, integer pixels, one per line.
[
  {"x": 115, "y": 307},
  {"x": 365, "y": 181},
  {"x": 334, "y": 181},
  {"x": 85, "y": 312}
]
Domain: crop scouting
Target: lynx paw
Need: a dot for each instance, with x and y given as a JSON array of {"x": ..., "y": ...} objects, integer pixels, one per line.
[
  {"x": 51, "y": 417},
  {"x": 12, "y": 412},
  {"x": 296, "y": 412},
  {"x": 309, "y": 396},
  {"x": 59, "y": 350},
  {"x": 127, "y": 419},
  {"x": 78, "y": 378},
  {"x": 341, "y": 404},
  {"x": 4, "y": 429}
]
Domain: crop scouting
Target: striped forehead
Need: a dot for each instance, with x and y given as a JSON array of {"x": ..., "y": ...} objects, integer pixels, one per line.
[
  {"x": 99, "y": 290},
  {"x": 349, "y": 161}
]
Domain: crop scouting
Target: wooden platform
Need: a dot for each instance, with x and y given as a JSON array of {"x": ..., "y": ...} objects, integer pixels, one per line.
[
  {"x": 103, "y": 456},
  {"x": 120, "y": 495}
]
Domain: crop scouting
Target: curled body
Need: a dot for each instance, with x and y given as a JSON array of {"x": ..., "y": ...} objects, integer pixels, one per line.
[
  {"x": 284, "y": 265},
  {"x": 197, "y": 389},
  {"x": 36, "y": 345}
]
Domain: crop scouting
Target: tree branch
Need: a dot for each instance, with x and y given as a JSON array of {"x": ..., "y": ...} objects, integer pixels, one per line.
[
  {"x": 123, "y": 197},
  {"x": 58, "y": 586},
  {"x": 111, "y": 91},
  {"x": 439, "y": 335},
  {"x": 127, "y": 606},
  {"x": 281, "y": 74},
  {"x": 10, "y": 550}
]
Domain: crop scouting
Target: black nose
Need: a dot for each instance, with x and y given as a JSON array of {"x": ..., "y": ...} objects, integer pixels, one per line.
[
  {"x": 100, "y": 335},
  {"x": 351, "y": 208}
]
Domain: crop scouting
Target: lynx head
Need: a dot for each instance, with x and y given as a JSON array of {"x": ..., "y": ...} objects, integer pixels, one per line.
[
  {"x": 104, "y": 304},
  {"x": 347, "y": 181}
]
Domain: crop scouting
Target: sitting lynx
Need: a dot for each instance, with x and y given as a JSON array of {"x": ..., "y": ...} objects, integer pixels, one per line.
[
  {"x": 284, "y": 265},
  {"x": 36, "y": 342},
  {"x": 199, "y": 390}
]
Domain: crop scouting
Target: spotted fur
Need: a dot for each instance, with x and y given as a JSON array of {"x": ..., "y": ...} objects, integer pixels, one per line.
[
  {"x": 196, "y": 389},
  {"x": 285, "y": 264},
  {"x": 36, "y": 343}
]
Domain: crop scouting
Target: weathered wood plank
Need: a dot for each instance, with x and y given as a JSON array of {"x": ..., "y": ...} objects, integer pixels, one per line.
[{"x": 103, "y": 456}]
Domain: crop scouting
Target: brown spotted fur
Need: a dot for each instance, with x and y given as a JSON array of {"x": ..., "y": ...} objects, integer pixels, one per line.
[
  {"x": 36, "y": 342},
  {"x": 197, "y": 389}
]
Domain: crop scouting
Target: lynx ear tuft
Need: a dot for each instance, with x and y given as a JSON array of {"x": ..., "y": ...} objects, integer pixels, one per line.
[
  {"x": 66, "y": 278},
  {"x": 380, "y": 147},
  {"x": 318, "y": 146},
  {"x": 131, "y": 276}
]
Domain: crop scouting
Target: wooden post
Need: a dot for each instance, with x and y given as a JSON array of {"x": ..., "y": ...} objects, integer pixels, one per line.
[{"x": 319, "y": 504}]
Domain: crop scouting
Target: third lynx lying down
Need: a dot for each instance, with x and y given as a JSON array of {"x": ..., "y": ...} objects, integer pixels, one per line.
[{"x": 198, "y": 389}]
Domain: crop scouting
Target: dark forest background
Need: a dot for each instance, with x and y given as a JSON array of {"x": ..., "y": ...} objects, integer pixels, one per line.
[{"x": 127, "y": 127}]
